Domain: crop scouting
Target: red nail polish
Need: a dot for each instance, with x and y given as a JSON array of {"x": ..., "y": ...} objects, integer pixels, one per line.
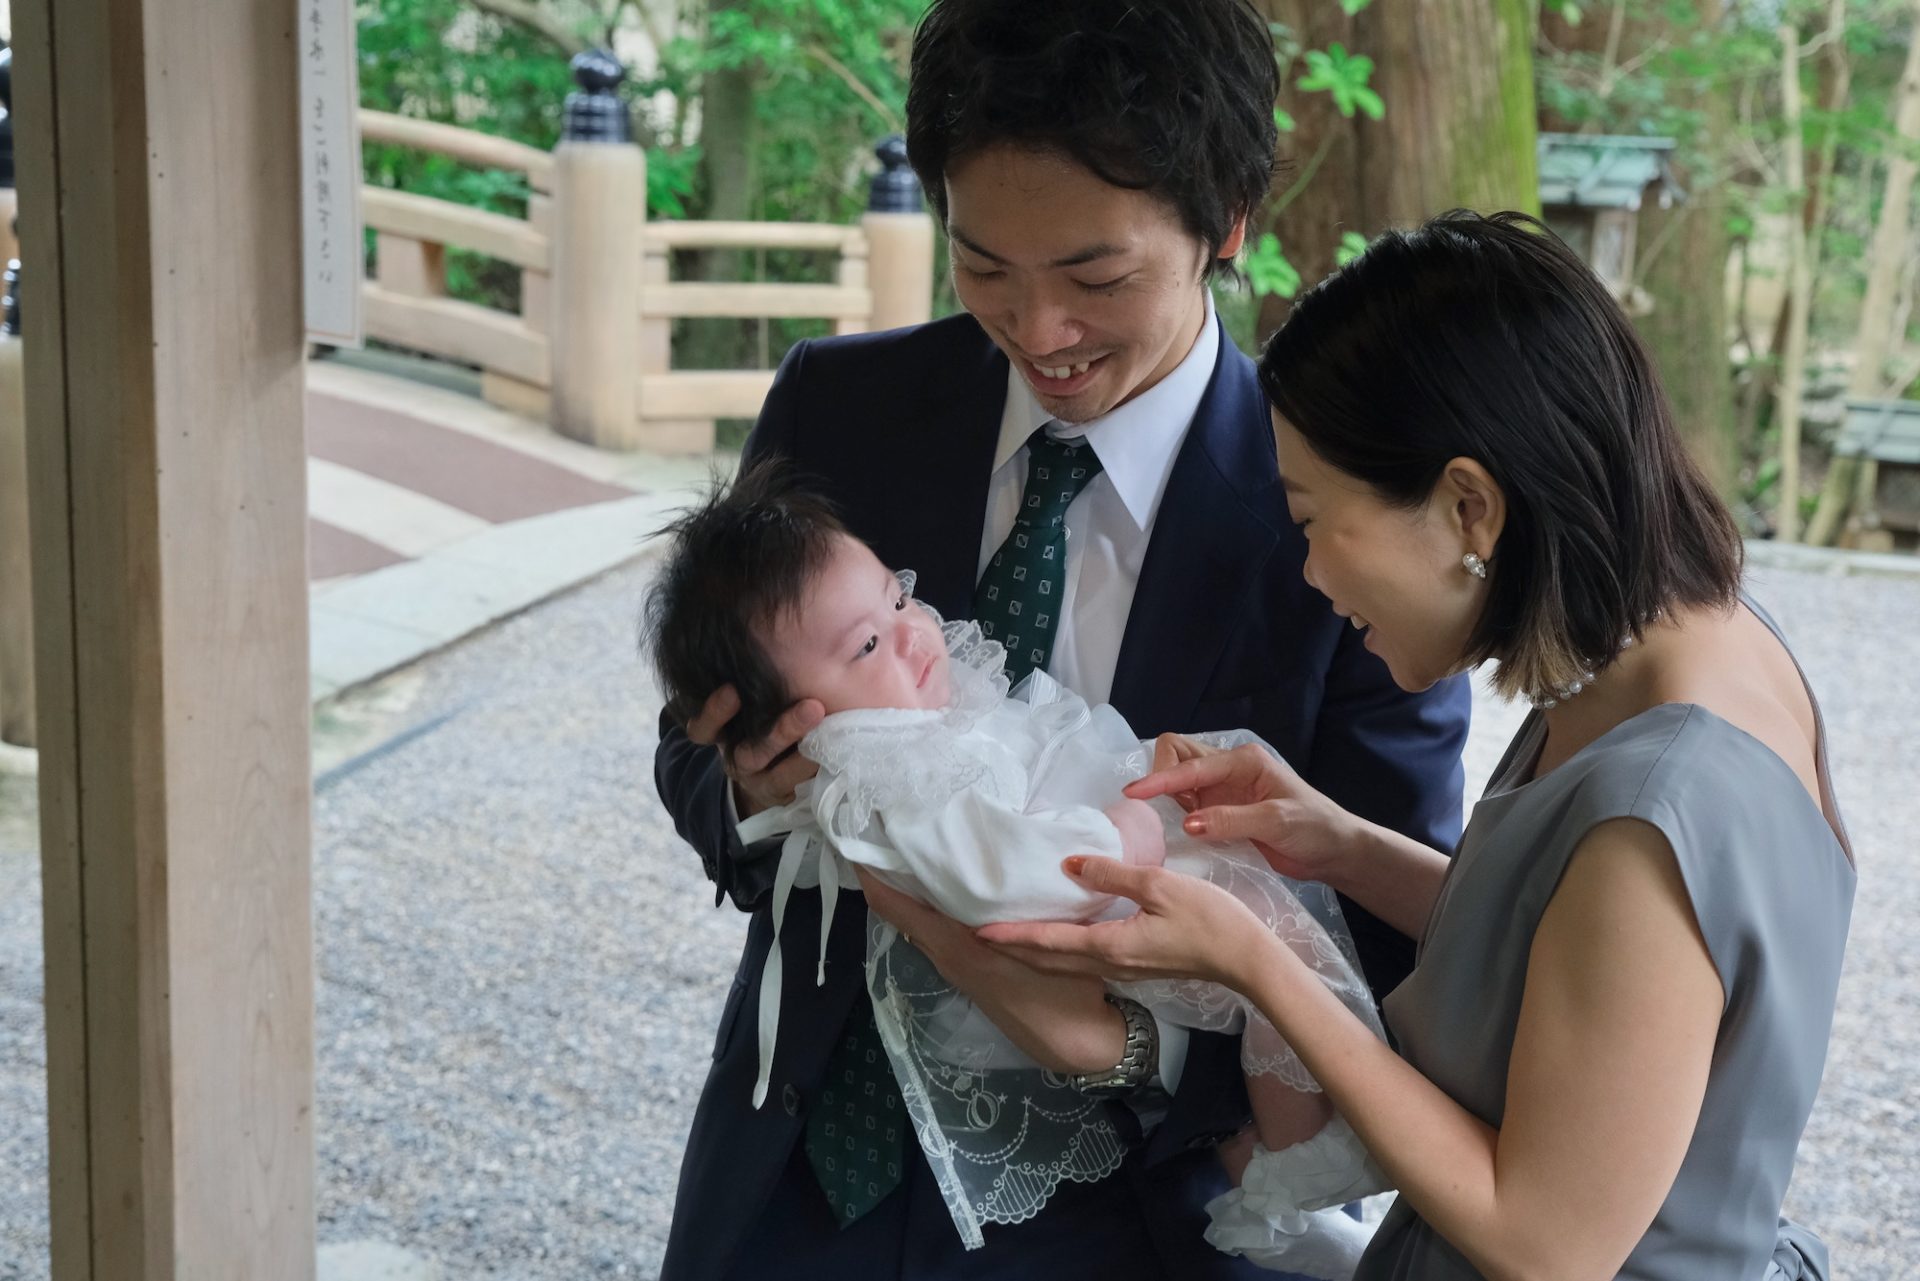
[
  {"x": 1195, "y": 825},
  {"x": 1075, "y": 864}
]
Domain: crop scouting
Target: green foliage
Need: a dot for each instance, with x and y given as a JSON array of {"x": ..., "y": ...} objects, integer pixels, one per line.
[
  {"x": 1345, "y": 76},
  {"x": 506, "y": 82},
  {"x": 1352, "y": 245},
  {"x": 1672, "y": 59},
  {"x": 1268, "y": 270},
  {"x": 814, "y": 127}
]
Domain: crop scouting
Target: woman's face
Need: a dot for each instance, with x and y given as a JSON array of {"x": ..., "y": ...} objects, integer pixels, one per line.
[{"x": 1395, "y": 572}]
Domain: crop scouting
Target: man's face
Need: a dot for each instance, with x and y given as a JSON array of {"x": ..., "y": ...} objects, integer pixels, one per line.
[{"x": 1093, "y": 291}]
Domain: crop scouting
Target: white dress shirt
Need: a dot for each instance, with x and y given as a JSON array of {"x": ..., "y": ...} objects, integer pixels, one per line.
[
  {"x": 1108, "y": 527},
  {"x": 1111, "y": 520}
]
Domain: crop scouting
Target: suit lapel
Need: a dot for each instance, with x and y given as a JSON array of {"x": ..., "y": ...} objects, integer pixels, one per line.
[
  {"x": 1211, "y": 539},
  {"x": 942, "y": 461}
]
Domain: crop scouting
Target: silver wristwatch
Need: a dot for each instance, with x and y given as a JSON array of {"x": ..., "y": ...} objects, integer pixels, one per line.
[{"x": 1137, "y": 1064}]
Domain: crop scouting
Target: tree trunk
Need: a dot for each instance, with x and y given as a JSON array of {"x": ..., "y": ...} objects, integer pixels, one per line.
[
  {"x": 727, "y": 129},
  {"x": 728, "y": 126},
  {"x": 1457, "y": 79},
  {"x": 1685, "y": 329},
  {"x": 1884, "y": 262},
  {"x": 1793, "y": 362},
  {"x": 1835, "y": 78},
  {"x": 1683, "y": 269},
  {"x": 1682, "y": 251}
]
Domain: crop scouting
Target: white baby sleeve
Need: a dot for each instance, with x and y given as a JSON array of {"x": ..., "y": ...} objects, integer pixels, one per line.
[{"x": 980, "y": 860}]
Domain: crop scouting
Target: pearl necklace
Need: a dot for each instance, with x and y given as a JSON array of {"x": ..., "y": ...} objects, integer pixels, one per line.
[{"x": 1561, "y": 693}]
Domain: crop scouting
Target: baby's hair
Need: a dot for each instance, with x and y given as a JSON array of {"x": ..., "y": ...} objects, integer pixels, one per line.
[{"x": 736, "y": 563}]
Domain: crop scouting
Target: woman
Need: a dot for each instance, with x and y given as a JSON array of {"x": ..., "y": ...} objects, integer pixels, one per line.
[{"x": 1613, "y": 1037}]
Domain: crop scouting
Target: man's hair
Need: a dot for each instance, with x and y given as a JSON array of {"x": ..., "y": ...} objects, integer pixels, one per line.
[
  {"x": 737, "y": 563},
  {"x": 1487, "y": 338},
  {"x": 1170, "y": 97}
]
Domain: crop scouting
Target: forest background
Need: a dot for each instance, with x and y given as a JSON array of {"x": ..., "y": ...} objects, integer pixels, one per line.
[{"x": 1795, "y": 123}]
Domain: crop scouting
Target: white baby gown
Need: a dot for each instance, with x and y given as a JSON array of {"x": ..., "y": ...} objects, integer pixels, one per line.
[{"x": 971, "y": 808}]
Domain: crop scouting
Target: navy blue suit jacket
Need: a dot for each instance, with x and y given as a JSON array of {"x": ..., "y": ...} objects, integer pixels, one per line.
[{"x": 900, "y": 429}]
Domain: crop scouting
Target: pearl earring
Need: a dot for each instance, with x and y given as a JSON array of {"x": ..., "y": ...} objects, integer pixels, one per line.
[{"x": 1475, "y": 566}]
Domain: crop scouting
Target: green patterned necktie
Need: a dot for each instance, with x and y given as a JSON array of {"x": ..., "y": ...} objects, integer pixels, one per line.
[
  {"x": 857, "y": 1127},
  {"x": 1018, "y": 600}
]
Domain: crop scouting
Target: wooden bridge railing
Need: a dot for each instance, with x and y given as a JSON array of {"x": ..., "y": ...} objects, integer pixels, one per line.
[{"x": 590, "y": 349}]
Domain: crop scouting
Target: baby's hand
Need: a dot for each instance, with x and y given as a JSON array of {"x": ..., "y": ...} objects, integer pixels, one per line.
[{"x": 1143, "y": 841}]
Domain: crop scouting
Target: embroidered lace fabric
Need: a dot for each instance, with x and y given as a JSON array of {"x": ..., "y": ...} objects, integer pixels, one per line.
[{"x": 894, "y": 787}]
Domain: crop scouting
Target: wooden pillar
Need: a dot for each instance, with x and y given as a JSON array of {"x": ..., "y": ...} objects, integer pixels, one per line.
[
  {"x": 16, "y": 576},
  {"x": 899, "y": 242},
  {"x": 9, "y": 204},
  {"x": 529, "y": 400},
  {"x": 158, "y": 145},
  {"x": 852, "y": 274},
  {"x": 9, "y": 208},
  {"x": 599, "y": 212},
  {"x": 16, "y": 568},
  {"x": 654, "y": 433},
  {"x": 403, "y": 265}
]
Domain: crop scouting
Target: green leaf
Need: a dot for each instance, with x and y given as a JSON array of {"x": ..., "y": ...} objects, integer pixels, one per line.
[
  {"x": 1268, "y": 270},
  {"x": 1352, "y": 7},
  {"x": 1352, "y": 245},
  {"x": 1282, "y": 121},
  {"x": 1344, "y": 76}
]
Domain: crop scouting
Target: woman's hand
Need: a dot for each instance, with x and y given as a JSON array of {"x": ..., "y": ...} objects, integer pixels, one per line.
[
  {"x": 1185, "y": 928},
  {"x": 1247, "y": 793},
  {"x": 1061, "y": 1021}
]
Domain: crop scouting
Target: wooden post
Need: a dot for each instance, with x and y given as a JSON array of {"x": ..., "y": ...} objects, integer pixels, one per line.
[
  {"x": 899, "y": 241},
  {"x": 599, "y": 214},
  {"x": 536, "y": 287},
  {"x": 852, "y": 274},
  {"x": 160, "y": 182},
  {"x": 9, "y": 206},
  {"x": 407, "y": 266},
  {"x": 656, "y": 433},
  {"x": 16, "y": 574},
  {"x": 16, "y": 568}
]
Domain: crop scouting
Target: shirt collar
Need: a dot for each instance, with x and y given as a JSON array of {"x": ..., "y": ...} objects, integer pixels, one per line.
[{"x": 1137, "y": 441}]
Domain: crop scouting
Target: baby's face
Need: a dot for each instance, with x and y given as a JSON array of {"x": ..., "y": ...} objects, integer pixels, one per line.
[{"x": 859, "y": 640}]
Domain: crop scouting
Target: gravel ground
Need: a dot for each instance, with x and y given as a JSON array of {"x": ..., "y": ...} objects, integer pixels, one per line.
[{"x": 520, "y": 967}]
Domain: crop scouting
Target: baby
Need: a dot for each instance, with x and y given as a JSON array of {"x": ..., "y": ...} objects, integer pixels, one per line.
[{"x": 946, "y": 787}]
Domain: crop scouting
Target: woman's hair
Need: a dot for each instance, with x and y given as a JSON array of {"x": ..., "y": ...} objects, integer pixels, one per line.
[
  {"x": 1485, "y": 337},
  {"x": 736, "y": 564},
  {"x": 1170, "y": 97}
]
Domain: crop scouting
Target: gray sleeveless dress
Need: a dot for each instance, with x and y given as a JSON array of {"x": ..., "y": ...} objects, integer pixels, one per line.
[{"x": 1772, "y": 888}]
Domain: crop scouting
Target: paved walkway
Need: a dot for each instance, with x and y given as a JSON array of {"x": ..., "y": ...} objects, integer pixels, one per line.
[{"x": 433, "y": 514}]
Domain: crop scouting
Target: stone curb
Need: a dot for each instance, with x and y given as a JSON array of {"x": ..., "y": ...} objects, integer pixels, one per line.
[
  {"x": 376, "y": 623},
  {"x": 1830, "y": 560},
  {"x": 374, "y": 1261}
]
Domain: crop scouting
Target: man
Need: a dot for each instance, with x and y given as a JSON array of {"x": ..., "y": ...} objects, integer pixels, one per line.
[{"x": 1085, "y": 435}]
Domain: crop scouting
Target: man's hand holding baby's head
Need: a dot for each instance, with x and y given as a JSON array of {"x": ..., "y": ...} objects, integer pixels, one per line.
[
  {"x": 766, "y": 771},
  {"x": 768, "y": 616}
]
